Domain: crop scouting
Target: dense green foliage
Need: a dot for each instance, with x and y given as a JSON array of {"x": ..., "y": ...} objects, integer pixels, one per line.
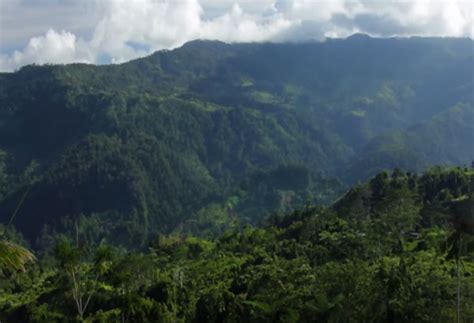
[
  {"x": 389, "y": 250},
  {"x": 211, "y": 132}
]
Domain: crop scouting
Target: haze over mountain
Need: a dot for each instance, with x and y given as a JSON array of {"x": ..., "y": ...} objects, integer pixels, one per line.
[{"x": 212, "y": 131}]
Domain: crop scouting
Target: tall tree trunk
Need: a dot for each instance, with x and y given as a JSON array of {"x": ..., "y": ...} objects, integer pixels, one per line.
[
  {"x": 458, "y": 288},
  {"x": 458, "y": 294}
]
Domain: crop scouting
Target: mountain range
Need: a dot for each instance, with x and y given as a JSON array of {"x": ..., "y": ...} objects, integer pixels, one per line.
[{"x": 212, "y": 133}]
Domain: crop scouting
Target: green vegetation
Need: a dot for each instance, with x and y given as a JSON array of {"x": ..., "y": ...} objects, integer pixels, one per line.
[
  {"x": 408, "y": 148},
  {"x": 13, "y": 256},
  {"x": 151, "y": 145},
  {"x": 395, "y": 249}
]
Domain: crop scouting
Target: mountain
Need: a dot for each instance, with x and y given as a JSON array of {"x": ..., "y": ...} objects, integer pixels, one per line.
[
  {"x": 224, "y": 131},
  {"x": 421, "y": 145}
]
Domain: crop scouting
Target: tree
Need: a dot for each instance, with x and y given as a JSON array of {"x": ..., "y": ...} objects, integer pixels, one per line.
[
  {"x": 82, "y": 275},
  {"x": 462, "y": 219},
  {"x": 13, "y": 256}
]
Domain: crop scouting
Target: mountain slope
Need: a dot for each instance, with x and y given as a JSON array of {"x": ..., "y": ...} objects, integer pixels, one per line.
[
  {"x": 148, "y": 145},
  {"x": 446, "y": 138},
  {"x": 383, "y": 252}
]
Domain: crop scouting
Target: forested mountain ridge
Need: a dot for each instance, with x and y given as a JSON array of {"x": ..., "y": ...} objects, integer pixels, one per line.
[
  {"x": 212, "y": 128},
  {"x": 397, "y": 248},
  {"x": 421, "y": 145}
]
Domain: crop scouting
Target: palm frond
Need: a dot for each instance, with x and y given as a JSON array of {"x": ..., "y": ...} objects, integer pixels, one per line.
[{"x": 13, "y": 256}]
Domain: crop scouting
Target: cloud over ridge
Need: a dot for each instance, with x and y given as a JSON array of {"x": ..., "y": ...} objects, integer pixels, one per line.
[{"x": 114, "y": 31}]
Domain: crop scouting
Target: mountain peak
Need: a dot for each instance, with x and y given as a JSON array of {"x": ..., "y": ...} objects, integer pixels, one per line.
[
  {"x": 203, "y": 43},
  {"x": 359, "y": 37}
]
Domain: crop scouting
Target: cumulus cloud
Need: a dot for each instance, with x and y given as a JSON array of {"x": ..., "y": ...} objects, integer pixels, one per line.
[
  {"x": 156, "y": 24},
  {"x": 53, "y": 47},
  {"x": 405, "y": 18},
  {"x": 238, "y": 26},
  {"x": 120, "y": 30}
]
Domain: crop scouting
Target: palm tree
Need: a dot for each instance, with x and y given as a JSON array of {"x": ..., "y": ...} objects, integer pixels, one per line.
[
  {"x": 13, "y": 256},
  {"x": 462, "y": 219}
]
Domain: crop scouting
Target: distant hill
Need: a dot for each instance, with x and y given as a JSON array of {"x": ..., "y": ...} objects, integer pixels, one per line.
[{"x": 154, "y": 144}]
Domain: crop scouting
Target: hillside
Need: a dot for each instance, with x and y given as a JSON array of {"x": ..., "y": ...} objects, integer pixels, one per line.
[
  {"x": 388, "y": 251},
  {"x": 421, "y": 145},
  {"x": 218, "y": 130}
]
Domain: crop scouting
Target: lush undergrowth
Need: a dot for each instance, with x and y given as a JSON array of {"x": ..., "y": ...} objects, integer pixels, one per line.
[{"x": 395, "y": 249}]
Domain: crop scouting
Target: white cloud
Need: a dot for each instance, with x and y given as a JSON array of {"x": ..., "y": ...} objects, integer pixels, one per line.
[
  {"x": 53, "y": 47},
  {"x": 169, "y": 24},
  {"x": 120, "y": 30},
  {"x": 421, "y": 17},
  {"x": 238, "y": 26},
  {"x": 156, "y": 24}
]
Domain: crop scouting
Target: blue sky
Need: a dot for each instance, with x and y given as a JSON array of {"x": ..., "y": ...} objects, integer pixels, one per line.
[{"x": 114, "y": 31}]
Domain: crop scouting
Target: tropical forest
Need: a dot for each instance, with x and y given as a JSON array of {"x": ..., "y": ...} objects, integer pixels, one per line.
[{"x": 316, "y": 181}]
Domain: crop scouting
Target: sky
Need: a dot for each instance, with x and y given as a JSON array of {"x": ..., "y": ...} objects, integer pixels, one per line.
[{"x": 115, "y": 31}]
